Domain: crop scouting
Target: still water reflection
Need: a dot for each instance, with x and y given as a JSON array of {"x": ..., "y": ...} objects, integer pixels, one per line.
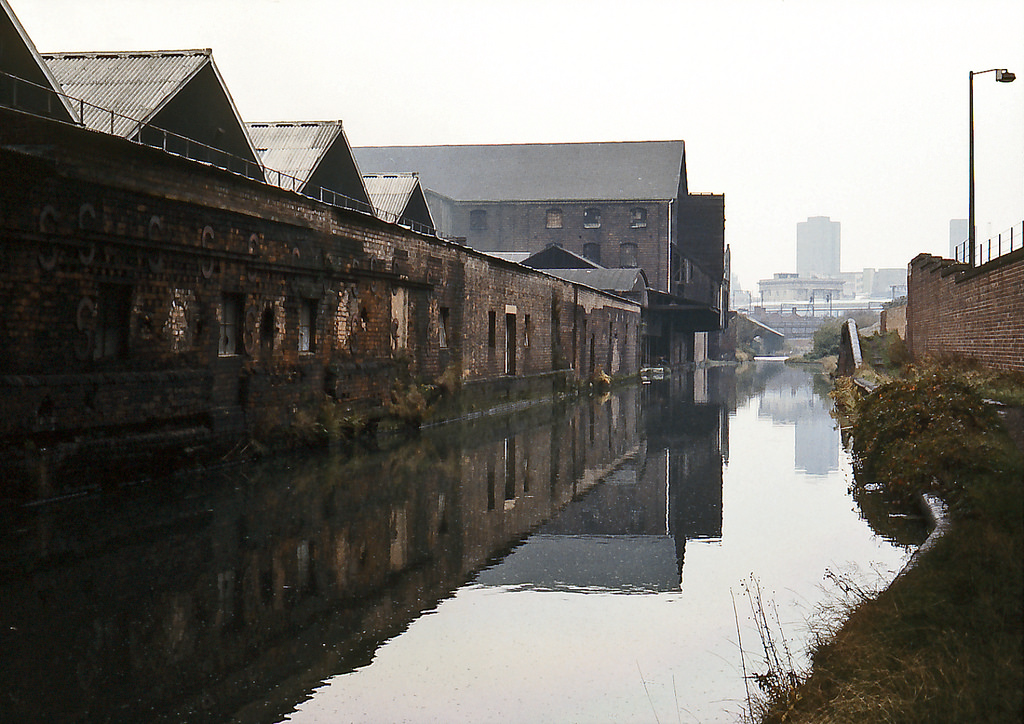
[{"x": 566, "y": 564}]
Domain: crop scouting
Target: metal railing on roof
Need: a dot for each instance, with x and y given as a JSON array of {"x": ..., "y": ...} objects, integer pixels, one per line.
[
  {"x": 985, "y": 251},
  {"x": 25, "y": 95}
]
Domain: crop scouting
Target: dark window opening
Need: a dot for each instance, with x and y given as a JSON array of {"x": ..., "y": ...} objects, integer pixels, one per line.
[
  {"x": 478, "y": 220},
  {"x": 492, "y": 329},
  {"x": 638, "y": 218},
  {"x": 267, "y": 328},
  {"x": 592, "y": 251},
  {"x": 526, "y": 331},
  {"x": 592, "y": 218},
  {"x": 230, "y": 325},
  {"x": 113, "y": 319},
  {"x": 510, "y": 344}
]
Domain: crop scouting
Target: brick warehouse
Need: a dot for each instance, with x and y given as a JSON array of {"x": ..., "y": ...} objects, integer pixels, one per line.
[
  {"x": 618, "y": 204},
  {"x": 164, "y": 295},
  {"x": 975, "y": 314},
  {"x": 152, "y": 305}
]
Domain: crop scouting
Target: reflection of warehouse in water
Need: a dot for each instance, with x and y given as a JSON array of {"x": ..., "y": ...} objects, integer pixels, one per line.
[{"x": 629, "y": 534}]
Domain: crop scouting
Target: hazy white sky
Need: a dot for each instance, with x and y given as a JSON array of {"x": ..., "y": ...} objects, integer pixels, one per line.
[{"x": 855, "y": 110}]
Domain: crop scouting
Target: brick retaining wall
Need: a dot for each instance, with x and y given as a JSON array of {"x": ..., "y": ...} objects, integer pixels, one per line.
[{"x": 972, "y": 314}]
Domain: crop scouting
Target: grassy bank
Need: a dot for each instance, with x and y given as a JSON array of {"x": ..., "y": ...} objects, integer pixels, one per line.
[{"x": 945, "y": 641}]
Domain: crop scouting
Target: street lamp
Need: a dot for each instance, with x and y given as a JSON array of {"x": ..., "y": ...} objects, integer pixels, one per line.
[{"x": 1002, "y": 76}]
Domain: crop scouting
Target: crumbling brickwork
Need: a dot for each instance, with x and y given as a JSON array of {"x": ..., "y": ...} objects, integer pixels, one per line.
[
  {"x": 151, "y": 299},
  {"x": 975, "y": 314}
]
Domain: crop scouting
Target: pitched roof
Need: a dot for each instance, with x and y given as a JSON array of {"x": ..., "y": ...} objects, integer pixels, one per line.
[
  {"x": 135, "y": 86},
  {"x": 294, "y": 148},
  {"x": 390, "y": 193},
  {"x": 651, "y": 170},
  {"x": 554, "y": 256},
  {"x": 19, "y": 57},
  {"x": 517, "y": 256},
  {"x": 607, "y": 280},
  {"x": 311, "y": 155}
]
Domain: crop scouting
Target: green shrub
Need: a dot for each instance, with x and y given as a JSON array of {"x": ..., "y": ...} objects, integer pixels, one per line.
[
  {"x": 928, "y": 433},
  {"x": 826, "y": 339}
]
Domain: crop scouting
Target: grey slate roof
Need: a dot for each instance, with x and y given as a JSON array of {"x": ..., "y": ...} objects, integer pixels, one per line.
[
  {"x": 651, "y": 170},
  {"x": 294, "y": 148},
  {"x": 133, "y": 85},
  {"x": 558, "y": 257},
  {"x": 607, "y": 280}
]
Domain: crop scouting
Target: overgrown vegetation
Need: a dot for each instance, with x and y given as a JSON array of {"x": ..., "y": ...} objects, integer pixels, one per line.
[
  {"x": 928, "y": 433},
  {"x": 825, "y": 341},
  {"x": 942, "y": 643}
]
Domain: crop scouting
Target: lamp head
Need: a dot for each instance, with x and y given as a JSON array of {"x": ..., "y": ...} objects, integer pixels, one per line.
[{"x": 1004, "y": 76}]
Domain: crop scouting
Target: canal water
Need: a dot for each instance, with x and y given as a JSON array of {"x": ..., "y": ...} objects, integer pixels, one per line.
[{"x": 584, "y": 562}]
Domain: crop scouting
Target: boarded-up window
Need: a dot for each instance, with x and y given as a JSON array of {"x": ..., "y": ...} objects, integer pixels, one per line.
[
  {"x": 592, "y": 252},
  {"x": 554, "y": 219},
  {"x": 628, "y": 255}
]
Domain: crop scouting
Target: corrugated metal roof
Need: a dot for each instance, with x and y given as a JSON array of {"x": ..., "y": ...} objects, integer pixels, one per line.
[
  {"x": 390, "y": 193},
  {"x": 528, "y": 172},
  {"x": 132, "y": 84},
  {"x": 294, "y": 148}
]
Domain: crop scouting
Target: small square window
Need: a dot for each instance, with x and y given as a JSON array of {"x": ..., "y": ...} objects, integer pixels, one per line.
[
  {"x": 554, "y": 219},
  {"x": 478, "y": 220},
  {"x": 592, "y": 219},
  {"x": 638, "y": 218}
]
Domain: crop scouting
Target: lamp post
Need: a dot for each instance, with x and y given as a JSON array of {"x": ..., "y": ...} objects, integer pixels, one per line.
[{"x": 1002, "y": 76}]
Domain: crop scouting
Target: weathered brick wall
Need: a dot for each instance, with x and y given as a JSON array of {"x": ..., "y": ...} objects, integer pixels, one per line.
[
  {"x": 894, "y": 319},
  {"x": 971, "y": 314},
  {"x": 121, "y": 267},
  {"x": 522, "y": 226}
]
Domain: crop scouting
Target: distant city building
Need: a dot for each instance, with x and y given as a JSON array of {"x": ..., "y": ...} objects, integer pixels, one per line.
[
  {"x": 884, "y": 283},
  {"x": 958, "y": 233},
  {"x": 817, "y": 247},
  {"x": 788, "y": 287}
]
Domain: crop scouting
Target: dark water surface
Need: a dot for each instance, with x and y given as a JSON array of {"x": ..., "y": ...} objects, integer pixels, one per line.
[{"x": 571, "y": 563}]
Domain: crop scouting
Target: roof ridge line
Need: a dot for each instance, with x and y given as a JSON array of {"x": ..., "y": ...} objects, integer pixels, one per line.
[{"x": 126, "y": 53}]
